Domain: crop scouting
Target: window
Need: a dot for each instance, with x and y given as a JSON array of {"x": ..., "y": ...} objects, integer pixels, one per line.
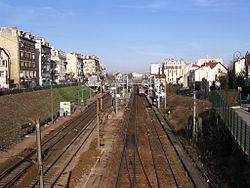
[
  {"x": 22, "y": 64},
  {"x": 1, "y": 73},
  {"x": 219, "y": 70}
]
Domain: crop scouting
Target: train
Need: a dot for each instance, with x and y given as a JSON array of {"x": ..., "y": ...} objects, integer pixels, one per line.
[{"x": 141, "y": 91}]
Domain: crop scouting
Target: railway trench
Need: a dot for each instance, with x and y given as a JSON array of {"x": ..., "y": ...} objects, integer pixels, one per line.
[
  {"x": 148, "y": 158},
  {"x": 57, "y": 147}
]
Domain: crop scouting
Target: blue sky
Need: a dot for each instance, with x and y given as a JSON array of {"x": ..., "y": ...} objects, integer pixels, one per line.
[{"x": 128, "y": 35}]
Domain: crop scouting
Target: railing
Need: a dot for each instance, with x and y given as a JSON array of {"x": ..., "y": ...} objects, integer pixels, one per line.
[
  {"x": 235, "y": 124},
  {"x": 21, "y": 90}
]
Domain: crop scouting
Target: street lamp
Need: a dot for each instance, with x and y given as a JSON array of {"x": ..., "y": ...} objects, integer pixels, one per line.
[{"x": 236, "y": 55}]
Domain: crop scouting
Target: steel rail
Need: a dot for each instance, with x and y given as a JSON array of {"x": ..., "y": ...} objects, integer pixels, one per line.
[
  {"x": 123, "y": 154},
  {"x": 25, "y": 163},
  {"x": 131, "y": 145},
  {"x": 165, "y": 152},
  {"x": 136, "y": 146}
]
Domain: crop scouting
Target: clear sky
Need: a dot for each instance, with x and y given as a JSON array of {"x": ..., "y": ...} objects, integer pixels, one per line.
[{"x": 128, "y": 35}]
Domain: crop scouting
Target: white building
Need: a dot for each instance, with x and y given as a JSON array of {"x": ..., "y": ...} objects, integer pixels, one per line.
[
  {"x": 209, "y": 71},
  {"x": 59, "y": 57},
  {"x": 174, "y": 70},
  {"x": 103, "y": 70},
  {"x": 240, "y": 66},
  {"x": 155, "y": 68},
  {"x": 4, "y": 66}
]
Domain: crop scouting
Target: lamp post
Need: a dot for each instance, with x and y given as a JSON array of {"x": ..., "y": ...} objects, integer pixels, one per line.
[
  {"x": 51, "y": 97},
  {"x": 236, "y": 55}
]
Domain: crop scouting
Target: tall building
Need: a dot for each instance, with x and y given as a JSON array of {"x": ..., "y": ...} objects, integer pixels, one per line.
[
  {"x": 75, "y": 67},
  {"x": 59, "y": 57},
  {"x": 21, "y": 48},
  {"x": 91, "y": 65},
  {"x": 46, "y": 67}
]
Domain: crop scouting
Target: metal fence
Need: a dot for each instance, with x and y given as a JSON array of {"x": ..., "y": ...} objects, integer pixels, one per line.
[
  {"x": 235, "y": 124},
  {"x": 21, "y": 90}
]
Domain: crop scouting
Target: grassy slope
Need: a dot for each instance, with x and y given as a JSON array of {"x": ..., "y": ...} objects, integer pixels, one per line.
[
  {"x": 71, "y": 93},
  {"x": 19, "y": 111}
]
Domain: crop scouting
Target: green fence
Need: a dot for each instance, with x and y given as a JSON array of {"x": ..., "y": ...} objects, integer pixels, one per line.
[
  {"x": 185, "y": 92},
  {"x": 236, "y": 125}
]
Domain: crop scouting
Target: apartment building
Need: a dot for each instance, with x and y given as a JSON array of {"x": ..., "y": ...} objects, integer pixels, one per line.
[
  {"x": 4, "y": 69},
  {"x": 156, "y": 68},
  {"x": 46, "y": 67},
  {"x": 91, "y": 65},
  {"x": 59, "y": 57},
  {"x": 174, "y": 70},
  {"x": 103, "y": 70},
  {"x": 75, "y": 67},
  {"x": 21, "y": 48}
]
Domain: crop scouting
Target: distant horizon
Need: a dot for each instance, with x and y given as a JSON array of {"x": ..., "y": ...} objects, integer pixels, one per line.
[{"x": 128, "y": 35}]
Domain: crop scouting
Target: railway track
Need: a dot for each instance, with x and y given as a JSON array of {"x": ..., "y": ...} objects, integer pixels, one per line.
[
  {"x": 145, "y": 143},
  {"x": 163, "y": 169},
  {"x": 67, "y": 134},
  {"x": 131, "y": 168}
]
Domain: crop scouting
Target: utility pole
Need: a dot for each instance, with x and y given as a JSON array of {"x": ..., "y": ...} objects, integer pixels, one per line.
[
  {"x": 127, "y": 83},
  {"x": 159, "y": 103},
  {"x": 52, "y": 107},
  {"x": 165, "y": 101},
  {"x": 82, "y": 96},
  {"x": 89, "y": 92},
  {"x": 78, "y": 96},
  {"x": 194, "y": 117},
  {"x": 115, "y": 93},
  {"x": 98, "y": 121},
  {"x": 39, "y": 154},
  {"x": 101, "y": 100}
]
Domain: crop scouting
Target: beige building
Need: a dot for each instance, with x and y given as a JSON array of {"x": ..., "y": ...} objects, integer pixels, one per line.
[
  {"x": 75, "y": 67},
  {"x": 21, "y": 48},
  {"x": 91, "y": 65}
]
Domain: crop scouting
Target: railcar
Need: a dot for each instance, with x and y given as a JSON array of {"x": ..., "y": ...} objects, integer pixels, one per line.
[{"x": 141, "y": 91}]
